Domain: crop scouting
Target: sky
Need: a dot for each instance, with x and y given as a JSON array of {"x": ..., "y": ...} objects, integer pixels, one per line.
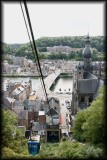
[{"x": 52, "y": 20}]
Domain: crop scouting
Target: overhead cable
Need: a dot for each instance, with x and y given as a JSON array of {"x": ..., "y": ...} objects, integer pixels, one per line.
[
  {"x": 31, "y": 44},
  {"x": 28, "y": 17},
  {"x": 35, "y": 49}
]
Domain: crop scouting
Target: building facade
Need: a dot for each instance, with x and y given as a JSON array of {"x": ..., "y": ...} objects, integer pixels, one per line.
[{"x": 86, "y": 84}]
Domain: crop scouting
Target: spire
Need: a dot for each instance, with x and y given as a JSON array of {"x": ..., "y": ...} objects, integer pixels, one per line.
[{"x": 88, "y": 39}]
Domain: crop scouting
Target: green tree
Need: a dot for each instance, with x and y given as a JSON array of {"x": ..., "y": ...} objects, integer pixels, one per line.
[
  {"x": 79, "y": 121},
  {"x": 94, "y": 54},
  {"x": 13, "y": 142},
  {"x": 8, "y": 125},
  {"x": 90, "y": 123},
  {"x": 94, "y": 127}
]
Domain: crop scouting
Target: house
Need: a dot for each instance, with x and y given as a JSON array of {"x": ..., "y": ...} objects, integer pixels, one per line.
[
  {"x": 23, "y": 119},
  {"x": 45, "y": 116},
  {"x": 8, "y": 102},
  {"x": 98, "y": 69},
  {"x": 39, "y": 129},
  {"x": 5, "y": 66},
  {"x": 20, "y": 61},
  {"x": 52, "y": 126},
  {"x": 60, "y": 48},
  {"x": 16, "y": 69},
  {"x": 18, "y": 107},
  {"x": 53, "y": 102},
  {"x": 42, "y": 117},
  {"x": 30, "y": 104},
  {"x": 52, "y": 111},
  {"x": 28, "y": 87},
  {"x": 19, "y": 93},
  {"x": 9, "y": 70},
  {"x": 34, "y": 106}
]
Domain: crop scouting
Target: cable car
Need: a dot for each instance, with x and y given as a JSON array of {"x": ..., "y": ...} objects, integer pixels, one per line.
[{"x": 34, "y": 145}]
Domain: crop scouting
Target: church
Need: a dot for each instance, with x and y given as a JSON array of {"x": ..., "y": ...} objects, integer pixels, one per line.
[{"x": 86, "y": 83}]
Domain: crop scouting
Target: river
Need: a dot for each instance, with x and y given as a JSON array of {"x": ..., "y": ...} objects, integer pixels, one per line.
[{"x": 65, "y": 83}]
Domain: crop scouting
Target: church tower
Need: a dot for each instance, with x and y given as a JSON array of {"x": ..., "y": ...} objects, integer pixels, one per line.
[
  {"x": 80, "y": 71},
  {"x": 87, "y": 53}
]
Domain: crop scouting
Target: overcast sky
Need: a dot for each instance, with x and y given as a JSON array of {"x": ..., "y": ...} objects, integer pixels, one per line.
[{"x": 52, "y": 20}]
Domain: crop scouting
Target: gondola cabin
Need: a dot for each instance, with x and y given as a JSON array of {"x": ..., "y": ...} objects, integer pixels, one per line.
[{"x": 34, "y": 145}]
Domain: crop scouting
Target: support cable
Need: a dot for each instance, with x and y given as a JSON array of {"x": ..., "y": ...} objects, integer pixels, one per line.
[
  {"x": 35, "y": 49},
  {"x": 28, "y": 17},
  {"x": 31, "y": 45}
]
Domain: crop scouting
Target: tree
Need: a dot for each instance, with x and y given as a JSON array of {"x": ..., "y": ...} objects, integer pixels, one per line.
[
  {"x": 79, "y": 121},
  {"x": 8, "y": 124},
  {"x": 94, "y": 127},
  {"x": 13, "y": 142},
  {"x": 90, "y": 123}
]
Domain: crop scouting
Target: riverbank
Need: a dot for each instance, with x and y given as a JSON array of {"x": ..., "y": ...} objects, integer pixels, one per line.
[
  {"x": 65, "y": 75},
  {"x": 7, "y": 75}
]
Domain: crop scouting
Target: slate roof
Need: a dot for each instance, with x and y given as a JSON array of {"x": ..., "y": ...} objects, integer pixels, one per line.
[
  {"x": 87, "y": 85},
  {"x": 80, "y": 65},
  {"x": 38, "y": 126},
  {"x": 88, "y": 75},
  {"x": 90, "y": 84},
  {"x": 53, "y": 102},
  {"x": 96, "y": 66},
  {"x": 16, "y": 91},
  {"x": 23, "y": 114},
  {"x": 11, "y": 100},
  {"x": 6, "y": 103},
  {"x": 52, "y": 112},
  {"x": 53, "y": 99},
  {"x": 36, "y": 104}
]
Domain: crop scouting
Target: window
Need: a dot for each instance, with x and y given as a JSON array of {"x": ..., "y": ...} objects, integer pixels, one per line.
[
  {"x": 79, "y": 67},
  {"x": 82, "y": 99},
  {"x": 90, "y": 99}
]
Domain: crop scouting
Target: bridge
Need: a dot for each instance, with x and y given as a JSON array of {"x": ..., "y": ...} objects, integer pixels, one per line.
[{"x": 48, "y": 82}]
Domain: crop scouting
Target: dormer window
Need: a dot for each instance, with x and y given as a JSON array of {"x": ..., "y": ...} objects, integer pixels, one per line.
[
  {"x": 79, "y": 67},
  {"x": 55, "y": 108},
  {"x": 82, "y": 99}
]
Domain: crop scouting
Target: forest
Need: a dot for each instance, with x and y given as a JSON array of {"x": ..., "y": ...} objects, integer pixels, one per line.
[{"x": 22, "y": 50}]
